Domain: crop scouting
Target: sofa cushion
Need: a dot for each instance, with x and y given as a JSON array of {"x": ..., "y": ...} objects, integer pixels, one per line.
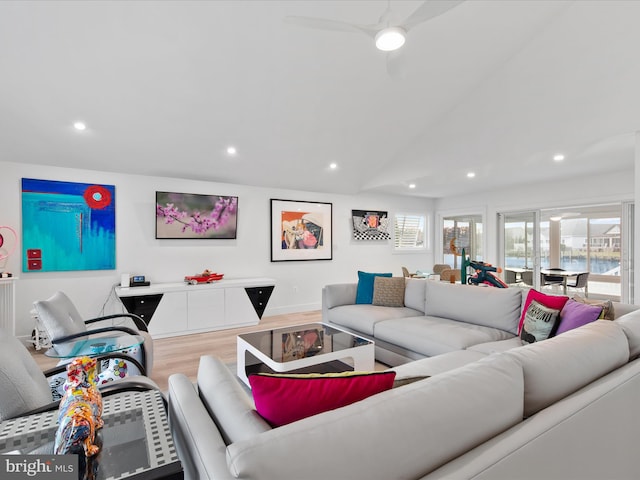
[
  {"x": 630, "y": 324},
  {"x": 621, "y": 309},
  {"x": 431, "y": 336},
  {"x": 414, "y": 294},
  {"x": 551, "y": 301},
  {"x": 388, "y": 292},
  {"x": 363, "y": 318},
  {"x": 589, "y": 435},
  {"x": 364, "y": 294},
  {"x": 539, "y": 322},
  {"x": 226, "y": 401},
  {"x": 428, "y": 367},
  {"x": 496, "y": 347},
  {"x": 282, "y": 399},
  {"x": 561, "y": 365},
  {"x": 575, "y": 314},
  {"x": 491, "y": 307},
  {"x": 378, "y": 437}
]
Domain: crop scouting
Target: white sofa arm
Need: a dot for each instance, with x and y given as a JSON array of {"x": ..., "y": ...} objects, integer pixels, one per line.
[
  {"x": 200, "y": 446},
  {"x": 339, "y": 294}
]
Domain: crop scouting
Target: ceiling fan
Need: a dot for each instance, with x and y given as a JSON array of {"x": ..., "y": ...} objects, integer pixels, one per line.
[{"x": 388, "y": 34}]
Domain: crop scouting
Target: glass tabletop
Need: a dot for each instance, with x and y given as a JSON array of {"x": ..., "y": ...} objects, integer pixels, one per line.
[
  {"x": 302, "y": 341},
  {"x": 95, "y": 345},
  {"x": 135, "y": 440}
]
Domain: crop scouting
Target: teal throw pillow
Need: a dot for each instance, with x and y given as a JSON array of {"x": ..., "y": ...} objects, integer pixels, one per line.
[{"x": 364, "y": 293}]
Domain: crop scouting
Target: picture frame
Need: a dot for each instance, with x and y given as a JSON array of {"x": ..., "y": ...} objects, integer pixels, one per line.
[
  {"x": 196, "y": 216},
  {"x": 301, "y": 230},
  {"x": 370, "y": 225},
  {"x": 68, "y": 226}
]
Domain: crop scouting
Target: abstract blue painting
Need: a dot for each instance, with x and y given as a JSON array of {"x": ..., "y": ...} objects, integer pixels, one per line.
[{"x": 68, "y": 226}]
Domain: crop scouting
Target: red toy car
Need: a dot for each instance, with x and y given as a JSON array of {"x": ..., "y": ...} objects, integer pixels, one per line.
[{"x": 204, "y": 277}]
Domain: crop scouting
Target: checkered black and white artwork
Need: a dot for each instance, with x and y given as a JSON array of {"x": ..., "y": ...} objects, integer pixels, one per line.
[{"x": 370, "y": 225}]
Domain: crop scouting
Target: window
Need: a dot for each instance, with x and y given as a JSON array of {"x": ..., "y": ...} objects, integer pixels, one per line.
[
  {"x": 461, "y": 232},
  {"x": 410, "y": 232},
  {"x": 591, "y": 243},
  {"x": 586, "y": 238}
]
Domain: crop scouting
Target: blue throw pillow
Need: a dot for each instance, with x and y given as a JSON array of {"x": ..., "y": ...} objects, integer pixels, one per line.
[{"x": 364, "y": 294}]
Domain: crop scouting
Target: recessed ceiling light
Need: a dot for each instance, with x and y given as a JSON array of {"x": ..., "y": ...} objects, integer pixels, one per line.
[
  {"x": 471, "y": 175},
  {"x": 232, "y": 150},
  {"x": 333, "y": 166},
  {"x": 412, "y": 185},
  {"x": 558, "y": 157},
  {"x": 79, "y": 126},
  {"x": 555, "y": 218}
]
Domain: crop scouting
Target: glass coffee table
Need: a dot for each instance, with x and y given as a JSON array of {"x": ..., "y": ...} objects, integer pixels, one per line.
[
  {"x": 308, "y": 348},
  {"x": 136, "y": 438}
]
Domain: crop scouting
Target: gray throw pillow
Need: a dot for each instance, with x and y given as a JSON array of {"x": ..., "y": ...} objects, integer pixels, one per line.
[{"x": 388, "y": 291}]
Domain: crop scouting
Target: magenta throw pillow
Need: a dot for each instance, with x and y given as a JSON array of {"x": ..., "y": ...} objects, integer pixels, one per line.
[
  {"x": 282, "y": 399},
  {"x": 575, "y": 314},
  {"x": 552, "y": 301}
]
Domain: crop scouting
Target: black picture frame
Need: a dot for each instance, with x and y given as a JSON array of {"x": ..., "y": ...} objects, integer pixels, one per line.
[{"x": 301, "y": 230}]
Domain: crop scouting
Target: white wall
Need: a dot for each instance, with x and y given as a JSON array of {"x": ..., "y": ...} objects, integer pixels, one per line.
[{"x": 298, "y": 284}]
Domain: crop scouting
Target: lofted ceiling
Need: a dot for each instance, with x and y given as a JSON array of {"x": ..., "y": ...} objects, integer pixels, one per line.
[{"x": 494, "y": 87}]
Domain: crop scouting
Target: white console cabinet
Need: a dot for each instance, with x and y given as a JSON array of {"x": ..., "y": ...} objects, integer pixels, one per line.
[{"x": 179, "y": 309}]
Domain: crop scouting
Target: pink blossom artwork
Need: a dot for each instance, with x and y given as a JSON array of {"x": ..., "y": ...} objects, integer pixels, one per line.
[{"x": 191, "y": 215}]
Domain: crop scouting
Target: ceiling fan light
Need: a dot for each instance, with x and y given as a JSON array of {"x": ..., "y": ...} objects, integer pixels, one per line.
[{"x": 390, "y": 38}]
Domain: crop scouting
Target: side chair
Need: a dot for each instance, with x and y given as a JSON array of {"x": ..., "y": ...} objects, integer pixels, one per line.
[
  {"x": 447, "y": 274},
  {"x": 63, "y": 323},
  {"x": 406, "y": 273},
  {"x": 550, "y": 279},
  {"x": 25, "y": 389},
  {"x": 581, "y": 282},
  {"x": 439, "y": 267}
]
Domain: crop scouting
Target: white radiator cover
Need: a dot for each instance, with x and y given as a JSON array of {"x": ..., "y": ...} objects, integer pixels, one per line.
[{"x": 7, "y": 304}]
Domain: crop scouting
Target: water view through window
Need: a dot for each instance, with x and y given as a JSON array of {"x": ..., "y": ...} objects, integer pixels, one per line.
[{"x": 588, "y": 239}]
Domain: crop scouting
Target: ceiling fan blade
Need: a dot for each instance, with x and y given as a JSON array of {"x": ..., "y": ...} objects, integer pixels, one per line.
[
  {"x": 335, "y": 25},
  {"x": 428, "y": 10},
  {"x": 396, "y": 65}
]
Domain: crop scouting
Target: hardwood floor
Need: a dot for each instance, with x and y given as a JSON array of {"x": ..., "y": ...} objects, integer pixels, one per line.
[{"x": 182, "y": 354}]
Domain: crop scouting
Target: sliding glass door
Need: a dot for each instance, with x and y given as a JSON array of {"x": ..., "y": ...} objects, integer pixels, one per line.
[
  {"x": 519, "y": 244},
  {"x": 597, "y": 239},
  {"x": 627, "y": 268}
]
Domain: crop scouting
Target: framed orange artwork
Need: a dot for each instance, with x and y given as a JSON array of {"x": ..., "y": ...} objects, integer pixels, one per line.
[{"x": 301, "y": 230}]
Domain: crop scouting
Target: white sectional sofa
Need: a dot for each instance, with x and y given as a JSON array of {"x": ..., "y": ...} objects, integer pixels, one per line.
[
  {"x": 438, "y": 317},
  {"x": 564, "y": 408}
]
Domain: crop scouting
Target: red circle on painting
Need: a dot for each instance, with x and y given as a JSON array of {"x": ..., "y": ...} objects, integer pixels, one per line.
[{"x": 97, "y": 197}]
